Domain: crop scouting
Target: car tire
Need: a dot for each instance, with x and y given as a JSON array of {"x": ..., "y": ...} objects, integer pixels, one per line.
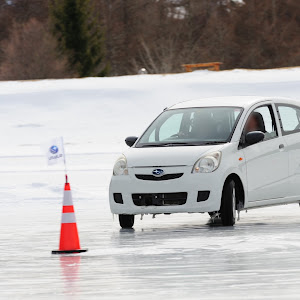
[
  {"x": 228, "y": 204},
  {"x": 126, "y": 221}
]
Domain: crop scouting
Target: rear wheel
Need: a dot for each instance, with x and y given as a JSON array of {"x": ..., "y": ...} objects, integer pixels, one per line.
[
  {"x": 228, "y": 204},
  {"x": 126, "y": 221}
]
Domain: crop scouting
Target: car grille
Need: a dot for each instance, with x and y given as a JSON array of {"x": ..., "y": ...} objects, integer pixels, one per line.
[
  {"x": 154, "y": 178},
  {"x": 161, "y": 199}
]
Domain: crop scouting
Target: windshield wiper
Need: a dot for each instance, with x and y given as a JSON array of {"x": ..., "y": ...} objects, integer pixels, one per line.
[
  {"x": 151, "y": 145},
  {"x": 213, "y": 143},
  {"x": 169, "y": 144},
  {"x": 182, "y": 144},
  {"x": 178, "y": 144}
]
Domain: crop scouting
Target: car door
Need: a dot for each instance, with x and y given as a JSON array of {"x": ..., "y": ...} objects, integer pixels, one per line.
[
  {"x": 266, "y": 161},
  {"x": 289, "y": 116}
]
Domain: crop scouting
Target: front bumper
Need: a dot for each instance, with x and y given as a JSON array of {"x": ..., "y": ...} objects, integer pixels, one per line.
[{"x": 188, "y": 183}]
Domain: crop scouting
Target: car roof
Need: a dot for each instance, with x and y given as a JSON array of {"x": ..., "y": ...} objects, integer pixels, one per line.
[{"x": 235, "y": 101}]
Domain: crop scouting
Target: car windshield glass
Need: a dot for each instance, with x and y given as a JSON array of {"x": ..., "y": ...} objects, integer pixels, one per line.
[{"x": 191, "y": 126}]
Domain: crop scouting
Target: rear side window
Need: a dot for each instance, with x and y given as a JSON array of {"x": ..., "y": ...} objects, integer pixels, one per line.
[{"x": 289, "y": 118}]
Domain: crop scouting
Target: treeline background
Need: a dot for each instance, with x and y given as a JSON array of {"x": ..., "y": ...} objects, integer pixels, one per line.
[{"x": 158, "y": 35}]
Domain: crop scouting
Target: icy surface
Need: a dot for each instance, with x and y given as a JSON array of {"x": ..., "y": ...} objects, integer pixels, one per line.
[{"x": 179, "y": 256}]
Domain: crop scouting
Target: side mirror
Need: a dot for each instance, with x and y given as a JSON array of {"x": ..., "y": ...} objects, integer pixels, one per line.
[
  {"x": 254, "y": 137},
  {"x": 130, "y": 140}
]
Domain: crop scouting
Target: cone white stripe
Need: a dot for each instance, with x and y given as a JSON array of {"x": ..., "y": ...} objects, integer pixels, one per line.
[
  {"x": 68, "y": 218},
  {"x": 67, "y": 198}
]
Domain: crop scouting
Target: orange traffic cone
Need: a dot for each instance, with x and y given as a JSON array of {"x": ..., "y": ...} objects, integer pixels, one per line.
[{"x": 69, "y": 239}]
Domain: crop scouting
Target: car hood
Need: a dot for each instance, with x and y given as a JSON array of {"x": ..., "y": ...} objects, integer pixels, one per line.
[{"x": 167, "y": 156}]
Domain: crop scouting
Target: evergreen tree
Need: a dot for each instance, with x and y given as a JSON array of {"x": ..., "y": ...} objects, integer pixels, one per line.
[{"x": 79, "y": 36}]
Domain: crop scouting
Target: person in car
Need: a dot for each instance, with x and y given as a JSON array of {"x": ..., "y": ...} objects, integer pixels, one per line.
[{"x": 255, "y": 123}]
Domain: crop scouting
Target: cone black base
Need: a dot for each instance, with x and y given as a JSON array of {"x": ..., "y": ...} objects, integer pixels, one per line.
[{"x": 68, "y": 251}]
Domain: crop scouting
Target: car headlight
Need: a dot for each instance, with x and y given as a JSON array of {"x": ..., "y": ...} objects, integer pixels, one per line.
[
  {"x": 207, "y": 163},
  {"x": 120, "y": 167}
]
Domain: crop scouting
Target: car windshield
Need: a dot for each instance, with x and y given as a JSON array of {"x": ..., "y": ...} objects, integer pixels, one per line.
[{"x": 191, "y": 127}]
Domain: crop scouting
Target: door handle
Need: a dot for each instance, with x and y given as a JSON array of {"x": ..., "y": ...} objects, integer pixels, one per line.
[{"x": 281, "y": 146}]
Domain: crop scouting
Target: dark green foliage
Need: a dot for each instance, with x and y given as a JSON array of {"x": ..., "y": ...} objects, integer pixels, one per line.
[{"x": 79, "y": 35}]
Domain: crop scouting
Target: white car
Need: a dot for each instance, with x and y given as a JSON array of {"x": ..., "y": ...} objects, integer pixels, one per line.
[{"x": 214, "y": 155}]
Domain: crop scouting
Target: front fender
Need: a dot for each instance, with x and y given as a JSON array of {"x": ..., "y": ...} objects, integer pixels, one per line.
[{"x": 233, "y": 162}]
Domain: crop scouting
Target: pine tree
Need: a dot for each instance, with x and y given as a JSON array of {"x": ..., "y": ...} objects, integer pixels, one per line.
[{"x": 79, "y": 35}]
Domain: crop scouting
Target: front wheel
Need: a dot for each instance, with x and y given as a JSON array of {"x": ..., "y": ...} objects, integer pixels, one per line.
[
  {"x": 126, "y": 221},
  {"x": 228, "y": 204}
]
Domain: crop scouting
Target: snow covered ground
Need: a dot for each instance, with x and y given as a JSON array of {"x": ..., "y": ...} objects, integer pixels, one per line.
[{"x": 177, "y": 256}]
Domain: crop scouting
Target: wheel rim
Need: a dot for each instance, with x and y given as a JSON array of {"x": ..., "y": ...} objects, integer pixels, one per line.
[{"x": 233, "y": 203}]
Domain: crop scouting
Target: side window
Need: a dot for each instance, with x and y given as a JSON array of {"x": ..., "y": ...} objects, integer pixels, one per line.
[
  {"x": 262, "y": 119},
  {"x": 289, "y": 118}
]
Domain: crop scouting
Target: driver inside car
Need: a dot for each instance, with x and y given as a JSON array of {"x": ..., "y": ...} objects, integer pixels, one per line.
[{"x": 255, "y": 123}]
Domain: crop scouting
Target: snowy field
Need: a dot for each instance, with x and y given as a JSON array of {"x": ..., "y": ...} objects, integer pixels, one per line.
[{"x": 176, "y": 257}]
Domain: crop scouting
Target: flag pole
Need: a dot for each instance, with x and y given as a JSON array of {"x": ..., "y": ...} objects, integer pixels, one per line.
[{"x": 65, "y": 163}]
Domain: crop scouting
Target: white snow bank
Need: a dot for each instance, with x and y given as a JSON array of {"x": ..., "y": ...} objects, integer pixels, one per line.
[{"x": 95, "y": 114}]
